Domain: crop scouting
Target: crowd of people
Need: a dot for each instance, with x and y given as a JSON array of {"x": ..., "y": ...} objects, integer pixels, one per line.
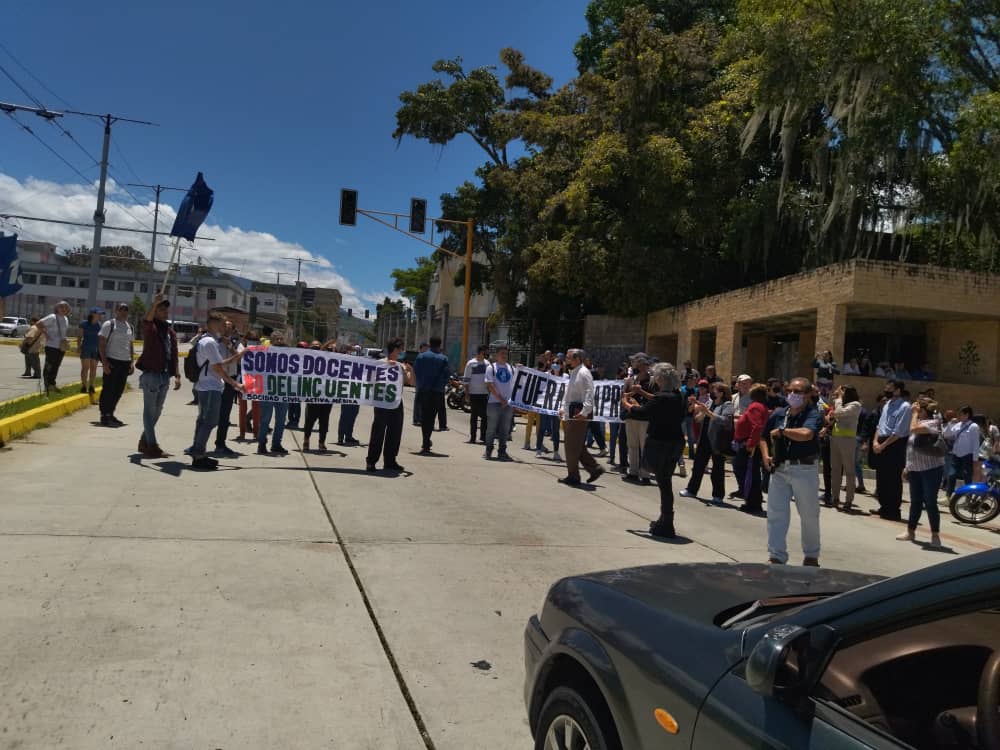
[{"x": 781, "y": 439}]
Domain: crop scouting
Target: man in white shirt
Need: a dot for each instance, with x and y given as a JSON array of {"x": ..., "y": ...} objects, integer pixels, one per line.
[
  {"x": 499, "y": 381},
  {"x": 229, "y": 345},
  {"x": 475, "y": 379},
  {"x": 115, "y": 343},
  {"x": 55, "y": 326},
  {"x": 578, "y": 409},
  {"x": 964, "y": 437},
  {"x": 212, "y": 375}
]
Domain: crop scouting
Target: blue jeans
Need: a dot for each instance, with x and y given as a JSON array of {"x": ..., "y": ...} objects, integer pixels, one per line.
[
  {"x": 924, "y": 486},
  {"x": 345, "y": 426},
  {"x": 689, "y": 436},
  {"x": 550, "y": 424},
  {"x": 498, "y": 419},
  {"x": 859, "y": 472},
  {"x": 959, "y": 467},
  {"x": 801, "y": 482},
  {"x": 280, "y": 414},
  {"x": 154, "y": 392},
  {"x": 209, "y": 404}
]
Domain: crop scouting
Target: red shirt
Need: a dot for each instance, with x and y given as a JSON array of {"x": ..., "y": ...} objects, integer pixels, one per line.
[{"x": 750, "y": 426}]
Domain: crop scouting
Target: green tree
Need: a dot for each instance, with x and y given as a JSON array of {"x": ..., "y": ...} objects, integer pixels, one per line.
[
  {"x": 415, "y": 283},
  {"x": 121, "y": 257}
]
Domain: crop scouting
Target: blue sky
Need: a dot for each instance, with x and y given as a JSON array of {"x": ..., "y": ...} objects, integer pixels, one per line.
[{"x": 279, "y": 104}]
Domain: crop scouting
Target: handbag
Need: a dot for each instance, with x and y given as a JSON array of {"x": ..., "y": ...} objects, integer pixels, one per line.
[
  {"x": 930, "y": 444},
  {"x": 25, "y": 346}
]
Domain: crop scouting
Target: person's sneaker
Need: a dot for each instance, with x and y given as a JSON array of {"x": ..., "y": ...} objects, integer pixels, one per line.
[
  {"x": 205, "y": 463},
  {"x": 394, "y": 467},
  {"x": 630, "y": 478},
  {"x": 115, "y": 421},
  {"x": 153, "y": 451},
  {"x": 83, "y": 389},
  {"x": 602, "y": 453},
  {"x": 370, "y": 468},
  {"x": 226, "y": 452},
  {"x": 735, "y": 495},
  {"x": 645, "y": 481},
  {"x": 105, "y": 422},
  {"x": 935, "y": 541},
  {"x": 539, "y": 454},
  {"x": 556, "y": 457},
  {"x": 488, "y": 454},
  {"x": 262, "y": 450},
  {"x": 471, "y": 440},
  {"x": 774, "y": 561},
  {"x": 687, "y": 493},
  {"x": 425, "y": 451},
  {"x": 503, "y": 455},
  {"x": 595, "y": 474},
  {"x": 861, "y": 489},
  {"x": 663, "y": 529},
  {"x": 142, "y": 444},
  {"x": 305, "y": 444},
  {"x": 352, "y": 443},
  {"x": 811, "y": 562},
  {"x": 188, "y": 451},
  {"x": 906, "y": 536},
  {"x": 718, "y": 501},
  {"x": 278, "y": 450},
  {"x": 443, "y": 429},
  {"x": 751, "y": 509},
  {"x": 571, "y": 481},
  {"x": 92, "y": 390}
]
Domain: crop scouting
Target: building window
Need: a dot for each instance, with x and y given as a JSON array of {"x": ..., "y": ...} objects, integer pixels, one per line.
[
  {"x": 143, "y": 287},
  {"x": 67, "y": 281},
  {"x": 210, "y": 293},
  {"x": 235, "y": 301},
  {"x": 41, "y": 299},
  {"x": 126, "y": 286},
  {"x": 108, "y": 285},
  {"x": 29, "y": 278},
  {"x": 185, "y": 291},
  {"x": 83, "y": 283},
  {"x": 48, "y": 280}
]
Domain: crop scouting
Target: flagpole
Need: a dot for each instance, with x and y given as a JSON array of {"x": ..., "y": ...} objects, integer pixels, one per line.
[{"x": 166, "y": 276}]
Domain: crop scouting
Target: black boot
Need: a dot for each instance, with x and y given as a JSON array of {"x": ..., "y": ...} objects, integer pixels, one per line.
[{"x": 663, "y": 527}]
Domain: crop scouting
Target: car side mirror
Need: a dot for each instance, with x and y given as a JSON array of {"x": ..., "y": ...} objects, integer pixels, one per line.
[{"x": 769, "y": 670}]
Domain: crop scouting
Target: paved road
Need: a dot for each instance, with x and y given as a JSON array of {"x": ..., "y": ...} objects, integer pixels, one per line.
[{"x": 301, "y": 602}]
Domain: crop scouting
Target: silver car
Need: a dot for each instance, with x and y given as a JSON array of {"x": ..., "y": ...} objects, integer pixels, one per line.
[{"x": 11, "y": 326}]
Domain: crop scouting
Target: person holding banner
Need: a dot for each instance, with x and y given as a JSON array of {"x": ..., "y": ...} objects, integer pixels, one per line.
[
  {"x": 499, "y": 381},
  {"x": 211, "y": 378},
  {"x": 579, "y": 401},
  {"x": 663, "y": 416},
  {"x": 387, "y": 427},
  {"x": 278, "y": 410}
]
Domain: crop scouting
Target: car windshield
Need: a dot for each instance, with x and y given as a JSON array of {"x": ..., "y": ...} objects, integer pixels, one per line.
[{"x": 762, "y": 610}]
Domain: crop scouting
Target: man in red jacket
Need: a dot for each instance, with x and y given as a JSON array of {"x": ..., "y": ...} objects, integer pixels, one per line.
[{"x": 158, "y": 363}]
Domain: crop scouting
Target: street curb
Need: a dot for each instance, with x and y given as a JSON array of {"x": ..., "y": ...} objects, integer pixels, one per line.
[{"x": 21, "y": 424}]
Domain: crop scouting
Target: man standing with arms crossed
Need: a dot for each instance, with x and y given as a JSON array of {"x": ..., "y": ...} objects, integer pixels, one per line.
[
  {"x": 116, "y": 346},
  {"x": 579, "y": 408},
  {"x": 890, "y": 451}
]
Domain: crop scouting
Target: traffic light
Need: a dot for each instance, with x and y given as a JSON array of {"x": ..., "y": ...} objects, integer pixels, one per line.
[
  {"x": 350, "y": 313},
  {"x": 349, "y": 207},
  {"x": 367, "y": 314},
  {"x": 418, "y": 215}
]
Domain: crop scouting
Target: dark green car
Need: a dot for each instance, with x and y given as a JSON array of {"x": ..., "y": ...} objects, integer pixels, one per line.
[{"x": 726, "y": 657}]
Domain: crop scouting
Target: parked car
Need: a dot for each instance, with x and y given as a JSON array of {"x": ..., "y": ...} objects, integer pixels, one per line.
[
  {"x": 755, "y": 656},
  {"x": 11, "y": 326}
]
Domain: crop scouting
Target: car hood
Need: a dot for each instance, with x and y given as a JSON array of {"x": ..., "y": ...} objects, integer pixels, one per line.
[{"x": 701, "y": 591}]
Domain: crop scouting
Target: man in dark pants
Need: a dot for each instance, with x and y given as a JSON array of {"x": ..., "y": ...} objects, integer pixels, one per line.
[
  {"x": 417, "y": 411},
  {"x": 432, "y": 370},
  {"x": 387, "y": 426},
  {"x": 475, "y": 383},
  {"x": 230, "y": 344},
  {"x": 116, "y": 345},
  {"x": 890, "y": 447},
  {"x": 55, "y": 327}
]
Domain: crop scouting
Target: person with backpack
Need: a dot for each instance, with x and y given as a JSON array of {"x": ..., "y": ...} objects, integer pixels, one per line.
[
  {"x": 211, "y": 368},
  {"x": 116, "y": 345},
  {"x": 158, "y": 363}
]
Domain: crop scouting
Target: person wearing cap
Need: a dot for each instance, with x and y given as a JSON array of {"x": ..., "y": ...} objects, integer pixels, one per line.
[
  {"x": 86, "y": 344},
  {"x": 117, "y": 351},
  {"x": 55, "y": 328},
  {"x": 158, "y": 363},
  {"x": 637, "y": 390}
]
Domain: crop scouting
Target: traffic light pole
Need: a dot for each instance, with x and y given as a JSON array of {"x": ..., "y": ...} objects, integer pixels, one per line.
[
  {"x": 298, "y": 292},
  {"x": 470, "y": 226}
]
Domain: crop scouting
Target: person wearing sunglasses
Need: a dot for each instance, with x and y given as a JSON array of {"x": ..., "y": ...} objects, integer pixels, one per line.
[{"x": 790, "y": 451}]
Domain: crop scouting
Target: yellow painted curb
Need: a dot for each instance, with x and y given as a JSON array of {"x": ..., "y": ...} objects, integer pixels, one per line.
[{"x": 22, "y": 424}]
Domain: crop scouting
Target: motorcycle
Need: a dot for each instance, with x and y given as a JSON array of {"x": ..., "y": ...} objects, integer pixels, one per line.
[
  {"x": 979, "y": 502},
  {"x": 455, "y": 396}
]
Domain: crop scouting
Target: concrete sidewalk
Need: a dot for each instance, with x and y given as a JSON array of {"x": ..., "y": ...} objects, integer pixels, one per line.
[{"x": 148, "y": 604}]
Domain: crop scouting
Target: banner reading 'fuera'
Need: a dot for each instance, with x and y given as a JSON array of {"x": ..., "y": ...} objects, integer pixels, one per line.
[
  {"x": 545, "y": 393},
  {"x": 283, "y": 374}
]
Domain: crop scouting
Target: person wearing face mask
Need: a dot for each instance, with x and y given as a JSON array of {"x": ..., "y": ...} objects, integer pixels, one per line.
[
  {"x": 890, "y": 451},
  {"x": 789, "y": 450}
]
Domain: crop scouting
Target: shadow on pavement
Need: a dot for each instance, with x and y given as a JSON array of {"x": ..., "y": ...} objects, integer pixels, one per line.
[
  {"x": 662, "y": 540},
  {"x": 431, "y": 454}
]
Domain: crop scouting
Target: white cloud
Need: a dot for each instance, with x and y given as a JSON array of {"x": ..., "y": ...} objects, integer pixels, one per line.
[{"x": 253, "y": 254}]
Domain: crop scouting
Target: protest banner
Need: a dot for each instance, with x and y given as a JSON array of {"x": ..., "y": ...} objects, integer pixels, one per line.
[
  {"x": 311, "y": 376},
  {"x": 545, "y": 393}
]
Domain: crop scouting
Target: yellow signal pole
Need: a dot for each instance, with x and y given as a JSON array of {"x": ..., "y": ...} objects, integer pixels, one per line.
[{"x": 468, "y": 289}]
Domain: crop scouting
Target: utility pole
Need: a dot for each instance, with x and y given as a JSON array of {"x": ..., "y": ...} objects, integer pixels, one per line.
[
  {"x": 277, "y": 283},
  {"x": 298, "y": 291},
  {"x": 156, "y": 218}
]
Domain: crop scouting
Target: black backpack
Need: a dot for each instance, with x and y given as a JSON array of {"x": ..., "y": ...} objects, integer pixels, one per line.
[{"x": 192, "y": 370}]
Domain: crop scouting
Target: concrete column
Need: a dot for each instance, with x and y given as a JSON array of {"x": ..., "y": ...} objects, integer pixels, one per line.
[
  {"x": 687, "y": 348},
  {"x": 445, "y": 310},
  {"x": 807, "y": 348},
  {"x": 729, "y": 350},
  {"x": 831, "y": 331},
  {"x": 756, "y": 360},
  {"x": 431, "y": 312}
]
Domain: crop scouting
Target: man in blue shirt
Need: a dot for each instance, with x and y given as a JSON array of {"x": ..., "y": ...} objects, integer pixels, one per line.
[
  {"x": 433, "y": 371},
  {"x": 790, "y": 450},
  {"x": 890, "y": 450}
]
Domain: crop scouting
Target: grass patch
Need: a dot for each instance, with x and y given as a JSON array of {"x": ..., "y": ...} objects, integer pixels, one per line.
[{"x": 27, "y": 403}]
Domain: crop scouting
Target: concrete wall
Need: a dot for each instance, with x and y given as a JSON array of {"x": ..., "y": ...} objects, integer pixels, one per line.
[
  {"x": 945, "y": 341},
  {"x": 984, "y": 399}
]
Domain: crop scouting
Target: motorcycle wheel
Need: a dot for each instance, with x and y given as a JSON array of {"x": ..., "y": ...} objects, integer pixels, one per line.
[
  {"x": 975, "y": 507},
  {"x": 454, "y": 402}
]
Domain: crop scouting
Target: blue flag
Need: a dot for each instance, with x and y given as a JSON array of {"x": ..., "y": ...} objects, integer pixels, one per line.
[
  {"x": 193, "y": 210},
  {"x": 10, "y": 267}
]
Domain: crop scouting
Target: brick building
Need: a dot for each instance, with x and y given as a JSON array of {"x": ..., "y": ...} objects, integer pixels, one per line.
[{"x": 899, "y": 312}]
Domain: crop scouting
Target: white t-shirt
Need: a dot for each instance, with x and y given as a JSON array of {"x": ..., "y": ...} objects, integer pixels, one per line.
[
  {"x": 119, "y": 337},
  {"x": 208, "y": 354},
  {"x": 475, "y": 372},
  {"x": 55, "y": 329},
  {"x": 502, "y": 377}
]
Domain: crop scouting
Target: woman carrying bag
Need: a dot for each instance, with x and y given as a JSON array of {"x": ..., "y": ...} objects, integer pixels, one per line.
[
  {"x": 665, "y": 413},
  {"x": 715, "y": 441}
]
